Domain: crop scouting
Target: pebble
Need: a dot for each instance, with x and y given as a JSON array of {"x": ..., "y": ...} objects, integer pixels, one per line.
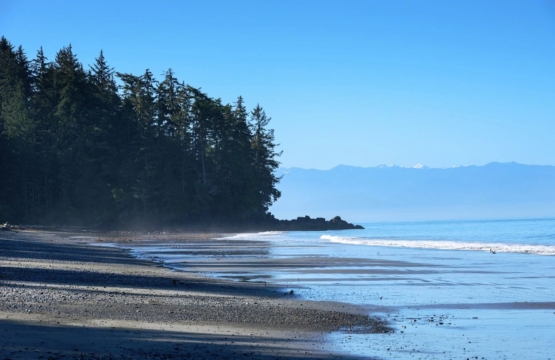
[{"x": 57, "y": 285}]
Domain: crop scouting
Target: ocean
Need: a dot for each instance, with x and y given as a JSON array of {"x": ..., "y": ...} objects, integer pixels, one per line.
[{"x": 449, "y": 289}]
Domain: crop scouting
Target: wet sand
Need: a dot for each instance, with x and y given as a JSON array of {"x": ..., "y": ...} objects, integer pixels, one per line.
[
  {"x": 63, "y": 299},
  {"x": 442, "y": 304}
]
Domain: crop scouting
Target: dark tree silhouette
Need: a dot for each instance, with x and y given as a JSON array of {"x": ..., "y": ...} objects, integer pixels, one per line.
[{"x": 77, "y": 149}]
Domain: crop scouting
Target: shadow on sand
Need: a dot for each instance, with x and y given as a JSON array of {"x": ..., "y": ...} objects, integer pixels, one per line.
[
  {"x": 26, "y": 341},
  {"x": 32, "y": 251},
  {"x": 23, "y": 339}
]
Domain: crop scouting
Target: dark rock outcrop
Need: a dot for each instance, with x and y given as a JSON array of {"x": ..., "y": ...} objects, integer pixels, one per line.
[{"x": 306, "y": 223}]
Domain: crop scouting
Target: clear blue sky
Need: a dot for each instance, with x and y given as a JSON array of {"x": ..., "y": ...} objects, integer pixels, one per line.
[{"x": 360, "y": 83}]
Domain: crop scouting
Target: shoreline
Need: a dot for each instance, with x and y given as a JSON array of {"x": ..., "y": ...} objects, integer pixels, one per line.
[{"x": 63, "y": 299}]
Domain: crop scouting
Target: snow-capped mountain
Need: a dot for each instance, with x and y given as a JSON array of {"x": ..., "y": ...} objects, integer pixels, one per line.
[{"x": 391, "y": 193}]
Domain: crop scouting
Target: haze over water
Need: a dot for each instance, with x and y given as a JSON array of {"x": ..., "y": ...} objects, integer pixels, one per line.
[{"x": 437, "y": 283}]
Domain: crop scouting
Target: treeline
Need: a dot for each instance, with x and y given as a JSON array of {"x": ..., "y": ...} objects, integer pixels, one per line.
[{"x": 98, "y": 147}]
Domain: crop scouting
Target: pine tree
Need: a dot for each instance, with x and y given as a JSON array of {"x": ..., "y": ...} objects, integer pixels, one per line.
[
  {"x": 17, "y": 133},
  {"x": 140, "y": 98},
  {"x": 44, "y": 101},
  {"x": 172, "y": 144},
  {"x": 15, "y": 89},
  {"x": 8, "y": 178},
  {"x": 265, "y": 163},
  {"x": 75, "y": 150},
  {"x": 105, "y": 130},
  {"x": 236, "y": 164},
  {"x": 77, "y": 181}
]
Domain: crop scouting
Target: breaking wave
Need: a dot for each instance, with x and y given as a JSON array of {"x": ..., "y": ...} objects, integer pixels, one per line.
[
  {"x": 257, "y": 236},
  {"x": 446, "y": 245}
]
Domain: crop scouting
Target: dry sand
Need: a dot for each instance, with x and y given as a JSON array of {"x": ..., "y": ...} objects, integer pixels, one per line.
[{"x": 63, "y": 299}]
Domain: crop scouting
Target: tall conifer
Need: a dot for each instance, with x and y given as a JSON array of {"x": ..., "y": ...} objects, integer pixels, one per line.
[
  {"x": 76, "y": 149},
  {"x": 265, "y": 163}
]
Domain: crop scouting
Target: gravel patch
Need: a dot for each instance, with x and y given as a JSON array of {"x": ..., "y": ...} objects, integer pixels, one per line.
[{"x": 49, "y": 279}]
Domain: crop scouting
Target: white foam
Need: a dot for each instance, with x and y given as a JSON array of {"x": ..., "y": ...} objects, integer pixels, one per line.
[
  {"x": 110, "y": 245},
  {"x": 271, "y": 233},
  {"x": 445, "y": 245},
  {"x": 251, "y": 235}
]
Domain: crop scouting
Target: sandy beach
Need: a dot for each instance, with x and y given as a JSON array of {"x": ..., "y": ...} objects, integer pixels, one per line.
[{"x": 61, "y": 298}]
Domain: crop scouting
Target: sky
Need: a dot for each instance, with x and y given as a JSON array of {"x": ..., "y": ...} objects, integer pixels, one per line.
[{"x": 353, "y": 82}]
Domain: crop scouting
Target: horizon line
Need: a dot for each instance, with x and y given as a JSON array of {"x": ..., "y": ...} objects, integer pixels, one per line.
[{"x": 418, "y": 166}]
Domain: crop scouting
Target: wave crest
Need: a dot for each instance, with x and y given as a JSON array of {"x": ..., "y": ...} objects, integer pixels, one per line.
[
  {"x": 251, "y": 235},
  {"x": 445, "y": 245}
]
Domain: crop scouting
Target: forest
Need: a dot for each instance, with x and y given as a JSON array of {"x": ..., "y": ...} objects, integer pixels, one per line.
[{"x": 96, "y": 147}]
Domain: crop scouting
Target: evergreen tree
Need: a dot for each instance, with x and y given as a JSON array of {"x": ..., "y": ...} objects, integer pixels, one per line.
[
  {"x": 236, "y": 165},
  {"x": 184, "y": 156},
  {"x": 171, "y": 150},
  {"x": 202, "y": 117},
  {"x": 17, "y": 132},
  {"x": 140, "y": 98},
  {"x": 79, "y": 186},
  {"x": 44, "y": 101},
  {"x": 9, "y": 203},
  {"x": 265, "y": 163},
  {"x": 77, "y": 149}
]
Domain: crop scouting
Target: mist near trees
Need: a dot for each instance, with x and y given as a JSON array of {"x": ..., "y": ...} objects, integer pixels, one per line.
[{"x": 97, "y": 147}]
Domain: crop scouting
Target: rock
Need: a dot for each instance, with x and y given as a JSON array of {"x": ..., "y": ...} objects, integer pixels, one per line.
[{"x": 305, "y": 223}]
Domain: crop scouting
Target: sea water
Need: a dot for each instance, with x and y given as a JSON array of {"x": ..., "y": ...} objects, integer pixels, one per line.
[{"x": 449, "y": 289}]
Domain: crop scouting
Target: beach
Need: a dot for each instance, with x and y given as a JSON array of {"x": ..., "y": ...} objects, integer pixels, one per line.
[
  {"x": 436, "y": 284},
  {"x": 429, "y": 290},
  {"x": 61, "y": 298}
]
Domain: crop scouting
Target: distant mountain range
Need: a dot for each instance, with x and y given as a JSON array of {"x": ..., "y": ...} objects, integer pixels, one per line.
[{"x": 393, "y": 193}]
